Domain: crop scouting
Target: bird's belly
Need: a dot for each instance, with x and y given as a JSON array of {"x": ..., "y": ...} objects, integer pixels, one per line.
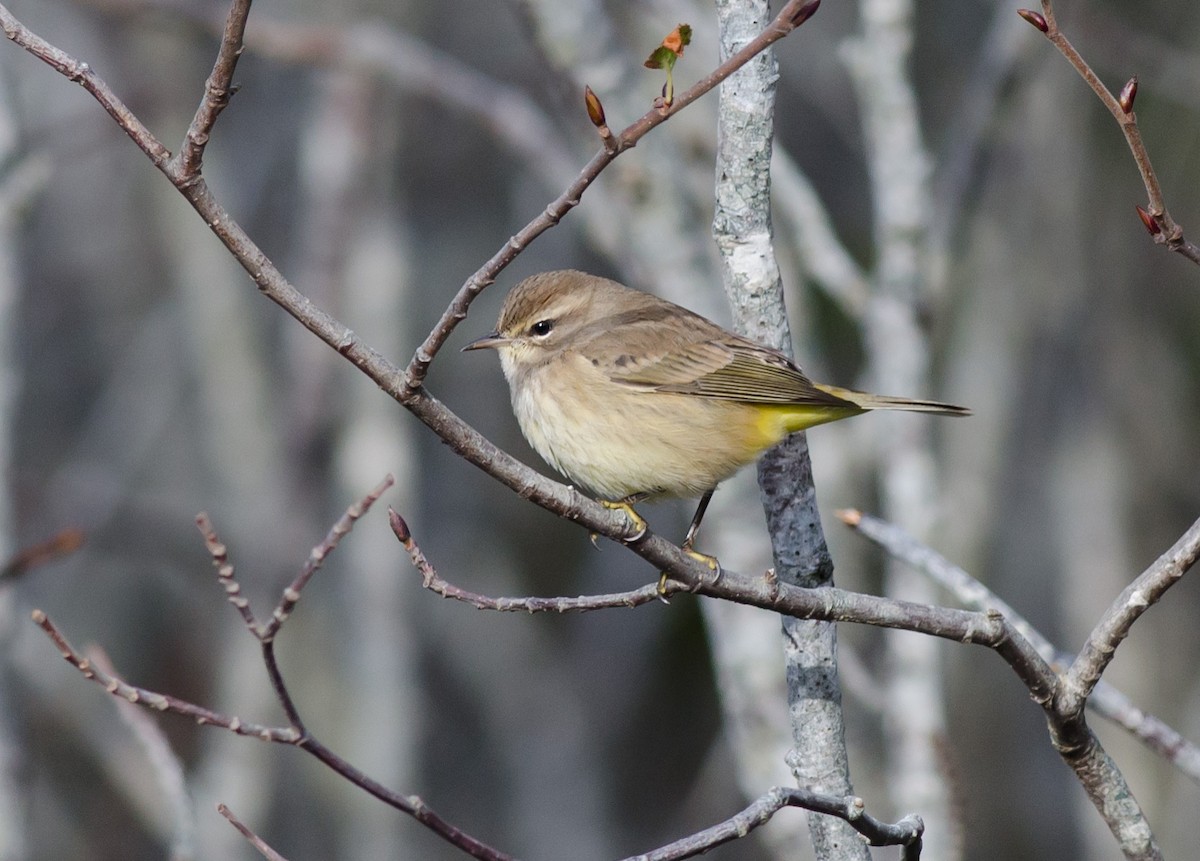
[{"x": 618, "y": 442}]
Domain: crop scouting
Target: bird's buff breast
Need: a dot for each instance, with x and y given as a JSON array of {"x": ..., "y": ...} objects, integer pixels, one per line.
[{"x": 616, "y": 441}]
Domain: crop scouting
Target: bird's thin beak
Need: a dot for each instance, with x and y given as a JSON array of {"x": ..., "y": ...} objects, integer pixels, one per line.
[{"x": 490, "y": 341}]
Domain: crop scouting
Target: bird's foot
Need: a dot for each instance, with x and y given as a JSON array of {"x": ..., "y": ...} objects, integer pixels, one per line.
[
  {"x": 709, "y": 561},
  {"x": 635, "y": 519}
]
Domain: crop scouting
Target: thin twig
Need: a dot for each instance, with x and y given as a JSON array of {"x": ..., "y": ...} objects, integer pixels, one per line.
[
  {"x": 989, "y": 629},
  {"x": 217, "y": 91},
  {"x": 905, "y": 833},
  {"x": 294, "y": 734},
  {"x": 225, "y": 575},
  {"x": 1162, "y": 227},
  {"x": 316, "y": 558},
  {"x": 156, "y": 701},
  {"x": 829, "y": 604},
  {"x": 254, "y": 840},
  {"x": 434, "y": 582}
]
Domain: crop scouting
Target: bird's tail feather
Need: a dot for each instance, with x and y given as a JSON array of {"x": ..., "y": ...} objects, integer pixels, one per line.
[{"x": 867, "y": 401}]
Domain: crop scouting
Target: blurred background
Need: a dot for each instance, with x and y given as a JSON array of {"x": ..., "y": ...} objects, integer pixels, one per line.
[{"x": 379, "y": 153}]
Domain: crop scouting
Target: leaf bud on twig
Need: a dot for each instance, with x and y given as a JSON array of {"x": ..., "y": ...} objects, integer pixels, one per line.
[
  {"x": 399, "y": 527},
  {"x": 1150, "y": 222},
  {"x": 1034, "y": 18},
  {"x": 1128, "y": 94},
  {"x": 805, "y": 12},
  {"x": 594, "y": 108}
]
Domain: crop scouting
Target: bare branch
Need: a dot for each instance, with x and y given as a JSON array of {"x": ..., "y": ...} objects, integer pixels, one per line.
[
  {"x": 792, "y": 15},
  {"x": 432, "y": 581},
  {"x": 1078, "y": 746},
  {"x": 826, "y": 603},
  {"x": 829, "y": 604},
  {"x": 1159, "y": 223},
  {"x": 217, "y": 92},
  {"x": 1113, "y": 627},
  {"x": 82, "y": 74},
  {"x": 254, "y": 840},
  {"x": 317, "y": 557},
  {"x": 294, "y": 734},
  {"x": 159, "y": 702},
  {"x": 906, "y": 833},
  {"x": 405, "y": 386},
  {"x": 1105, "y": 700}
]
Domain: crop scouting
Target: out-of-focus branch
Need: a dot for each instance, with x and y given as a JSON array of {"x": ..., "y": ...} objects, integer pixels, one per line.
[
  {"x": 408, "y": 63},
  {"x": 253, "y": 839},
  {"x": 1163, "y": 229},
  {"x": 165, "y": 765},
  {"x": 63, "y": 543},
  {"x": 900, "y": 167},
  {"x": 822, "y": 255},
  {"x": 1073, "y": 739},
  {"x": 1105, "y": 700}
]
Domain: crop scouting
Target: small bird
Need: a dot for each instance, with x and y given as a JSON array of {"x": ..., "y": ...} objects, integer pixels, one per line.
[{"x": 632, "y": 397}]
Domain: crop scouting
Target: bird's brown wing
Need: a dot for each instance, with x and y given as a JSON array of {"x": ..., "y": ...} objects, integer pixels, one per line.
[{"x": 725, "y": 367}]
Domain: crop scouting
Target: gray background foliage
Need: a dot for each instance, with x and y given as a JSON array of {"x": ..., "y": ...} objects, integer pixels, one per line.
[{"x": 148, "y": 382}]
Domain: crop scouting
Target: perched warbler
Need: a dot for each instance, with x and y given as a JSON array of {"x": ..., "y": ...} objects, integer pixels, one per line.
[{"x": 631, "y": 396}]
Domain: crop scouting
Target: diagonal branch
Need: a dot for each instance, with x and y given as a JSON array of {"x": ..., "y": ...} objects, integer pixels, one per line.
[
  {"x": 253, "y": 839},
  {"x": 1074, "y": 740},
  {"x": 405, "y": 386},
  {"x": 217, "y": 91},
  {"x": 1105, "y": 700},
  {"x": 1157, "y": 220},
  {"x": 791, "y": 16},
  {"x": 989, "y": 628},
  {"x": 1113, "y": 627}
]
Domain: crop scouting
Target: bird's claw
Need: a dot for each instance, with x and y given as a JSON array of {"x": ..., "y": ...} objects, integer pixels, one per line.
[
  {"x": 636, "y": 519},
  {"x": 710, "y": 562}
]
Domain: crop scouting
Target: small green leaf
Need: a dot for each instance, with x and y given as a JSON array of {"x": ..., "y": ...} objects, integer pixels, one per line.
[{"x": 662, "y": 58}]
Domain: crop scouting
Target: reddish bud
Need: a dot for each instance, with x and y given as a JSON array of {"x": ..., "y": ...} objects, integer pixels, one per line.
[
  {"x": 594, "y": 108},
  {"x": 1034, "y": 18},
  {"x": 399, "y": 527},
  {"x": 1149, "y": 221},
  {"x": 805, "y": 12},
  {"x": 1128, "y": 94}
]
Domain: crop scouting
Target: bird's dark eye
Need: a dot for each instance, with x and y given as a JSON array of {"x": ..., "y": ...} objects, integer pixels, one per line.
[{"x": 541, "y": 328}]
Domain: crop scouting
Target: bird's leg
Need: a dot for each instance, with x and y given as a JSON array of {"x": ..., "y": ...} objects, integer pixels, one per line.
[
  {"x": 689, "y": 540},
  {"x": 636, "y": 519}
]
